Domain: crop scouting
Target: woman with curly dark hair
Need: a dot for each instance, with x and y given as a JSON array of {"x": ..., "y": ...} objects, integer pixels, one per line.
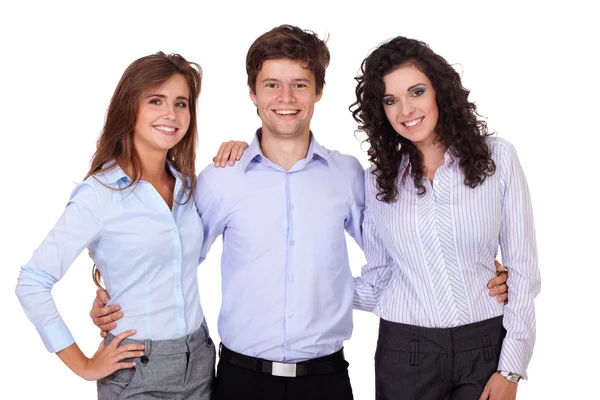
[{"x": 442, "y": 196}]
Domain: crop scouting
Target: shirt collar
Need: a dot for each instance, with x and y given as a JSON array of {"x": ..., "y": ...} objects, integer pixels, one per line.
[
  {"x": 253, "y": 151},
  {"x": 405, "y": 167},
  {"x": 316, "y": 149},
  {"x": 116, "y": 173},
  {"x": 448, "y": 157}
]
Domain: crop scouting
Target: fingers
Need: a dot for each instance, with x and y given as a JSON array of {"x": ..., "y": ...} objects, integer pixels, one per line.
[
  {"x": 223, "y": 153},
  {"x": 486, "y": 393},
  {"x": 103, "y": 321},
  {"x": 229, "y": 153},
  {"x": 132, "y": 347},
  {"x": 238, "y": 152},
  {"x": 124, "y": 365},
  {"x": 102, "y": 295},
  {"x": 235, "y": 148},
  {"x": 498, "y": 280},
  {"x": 103, "y": 334},
  {"x": 499, "y": 267},
  {"x": 503, "y": 298},
  {"x": 119, "y": 353},
  {"x": 500, "y": 289},
  {"x": 120, "y": 337},
  {"x": 130, "y": 354},
  {"x": 100, "y": 312},
  {"x": 107, "y": 327}
]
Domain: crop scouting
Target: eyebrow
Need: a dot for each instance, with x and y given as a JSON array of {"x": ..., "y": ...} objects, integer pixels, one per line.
[
  {"x": 162, "y": 96},
  {"x": 408, "y": 90},
  {"x": 277, "y": 80},
  {"x": 414, "y": 86}
]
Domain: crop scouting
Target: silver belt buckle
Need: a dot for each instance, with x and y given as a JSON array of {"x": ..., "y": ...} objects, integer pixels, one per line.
[{"x": 281, "y": 369}]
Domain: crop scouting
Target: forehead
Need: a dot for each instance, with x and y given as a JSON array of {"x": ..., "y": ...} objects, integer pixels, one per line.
[
  {"x": 404, "y": 77},
  {"x": 176, "y": 85},
  {"x": 284, "y": 69}
]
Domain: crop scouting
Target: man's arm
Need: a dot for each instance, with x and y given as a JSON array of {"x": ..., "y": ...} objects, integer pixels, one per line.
[{"x": 377, "y": 272}]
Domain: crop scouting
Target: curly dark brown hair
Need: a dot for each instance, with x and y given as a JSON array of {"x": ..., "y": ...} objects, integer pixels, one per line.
[{"x": 457, "y": 127}]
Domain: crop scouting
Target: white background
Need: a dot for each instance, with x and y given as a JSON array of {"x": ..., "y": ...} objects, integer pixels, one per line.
[{"x": 530, "y": 66}]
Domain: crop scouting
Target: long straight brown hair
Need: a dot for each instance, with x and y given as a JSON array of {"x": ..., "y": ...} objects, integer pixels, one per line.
[{"x": 116, "y": 139}]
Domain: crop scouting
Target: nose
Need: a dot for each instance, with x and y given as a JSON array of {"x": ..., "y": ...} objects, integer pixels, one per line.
[
  {"x": 286, "y": 94},
  {"x": 169, "y": 113},
  {"x": 406, "y": 108}
]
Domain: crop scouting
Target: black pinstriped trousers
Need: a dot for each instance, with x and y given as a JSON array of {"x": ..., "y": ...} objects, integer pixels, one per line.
[{"x": 416, "y": 363}]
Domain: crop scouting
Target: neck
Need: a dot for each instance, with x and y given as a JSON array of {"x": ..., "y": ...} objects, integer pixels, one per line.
[
  {"x": 432, "y": 157},
  {"x": 284, "y": 152},
  {"x": 153, "y": 167}
]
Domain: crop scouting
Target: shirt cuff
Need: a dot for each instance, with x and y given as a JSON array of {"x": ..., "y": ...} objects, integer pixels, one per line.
[
  {"x": 56, "y": 336},
  {"x": 364, "y": 297},
  {"x": 515, "y": 357}
]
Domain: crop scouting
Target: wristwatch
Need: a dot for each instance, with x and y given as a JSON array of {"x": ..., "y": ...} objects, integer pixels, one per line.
[{"x": 510, "y": 376}]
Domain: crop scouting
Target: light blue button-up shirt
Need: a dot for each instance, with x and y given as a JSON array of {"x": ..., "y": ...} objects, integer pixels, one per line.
[
  {"x": 286, "y": 282},
  {"x": 148, "y": 256}
]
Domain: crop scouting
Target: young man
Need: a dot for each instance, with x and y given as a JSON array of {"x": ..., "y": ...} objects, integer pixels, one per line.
[{"x": 283, "y": 208}]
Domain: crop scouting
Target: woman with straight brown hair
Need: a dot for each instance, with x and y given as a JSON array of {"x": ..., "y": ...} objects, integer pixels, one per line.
[{"x": 135, "y": 214}]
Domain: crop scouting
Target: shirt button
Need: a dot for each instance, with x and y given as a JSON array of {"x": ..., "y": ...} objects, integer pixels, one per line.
[
  {"x": 292, "y": 243},
  {"x": 174, "y": 233},
  {"x": 291, "y": 206},
  {"x": 291, "y": 279},
  {"x": 290, "y": 315}
]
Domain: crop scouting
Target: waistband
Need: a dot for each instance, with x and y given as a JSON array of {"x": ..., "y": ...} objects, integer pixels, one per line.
[
  {"x": 184, "y": 344},
  {"x": 329, "y": 364},
  {"x": 411, "y": 338}
]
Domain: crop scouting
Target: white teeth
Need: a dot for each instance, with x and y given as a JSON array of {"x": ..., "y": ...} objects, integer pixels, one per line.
[
  {"x": 165, "y": 129},
  {"x": 413, "y": 123},
  {"x": 287, "y": 112}
]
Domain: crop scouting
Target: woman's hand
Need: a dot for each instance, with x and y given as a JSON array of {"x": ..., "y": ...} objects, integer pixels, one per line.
[
  {"x": 230, "y": 152},
  {"x": 107, "y": 359},
  {"x": 499, "y": 388}
]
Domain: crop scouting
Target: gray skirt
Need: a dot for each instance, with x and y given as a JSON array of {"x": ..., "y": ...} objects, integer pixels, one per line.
[{"x": 182, "y": 368}]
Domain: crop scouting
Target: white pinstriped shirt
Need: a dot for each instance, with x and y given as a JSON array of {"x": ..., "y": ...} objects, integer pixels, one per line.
[{"x": 430, "y": 257}]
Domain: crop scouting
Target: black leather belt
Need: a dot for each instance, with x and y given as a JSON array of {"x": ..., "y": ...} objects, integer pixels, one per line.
[{"x": 317, "y": 366}]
